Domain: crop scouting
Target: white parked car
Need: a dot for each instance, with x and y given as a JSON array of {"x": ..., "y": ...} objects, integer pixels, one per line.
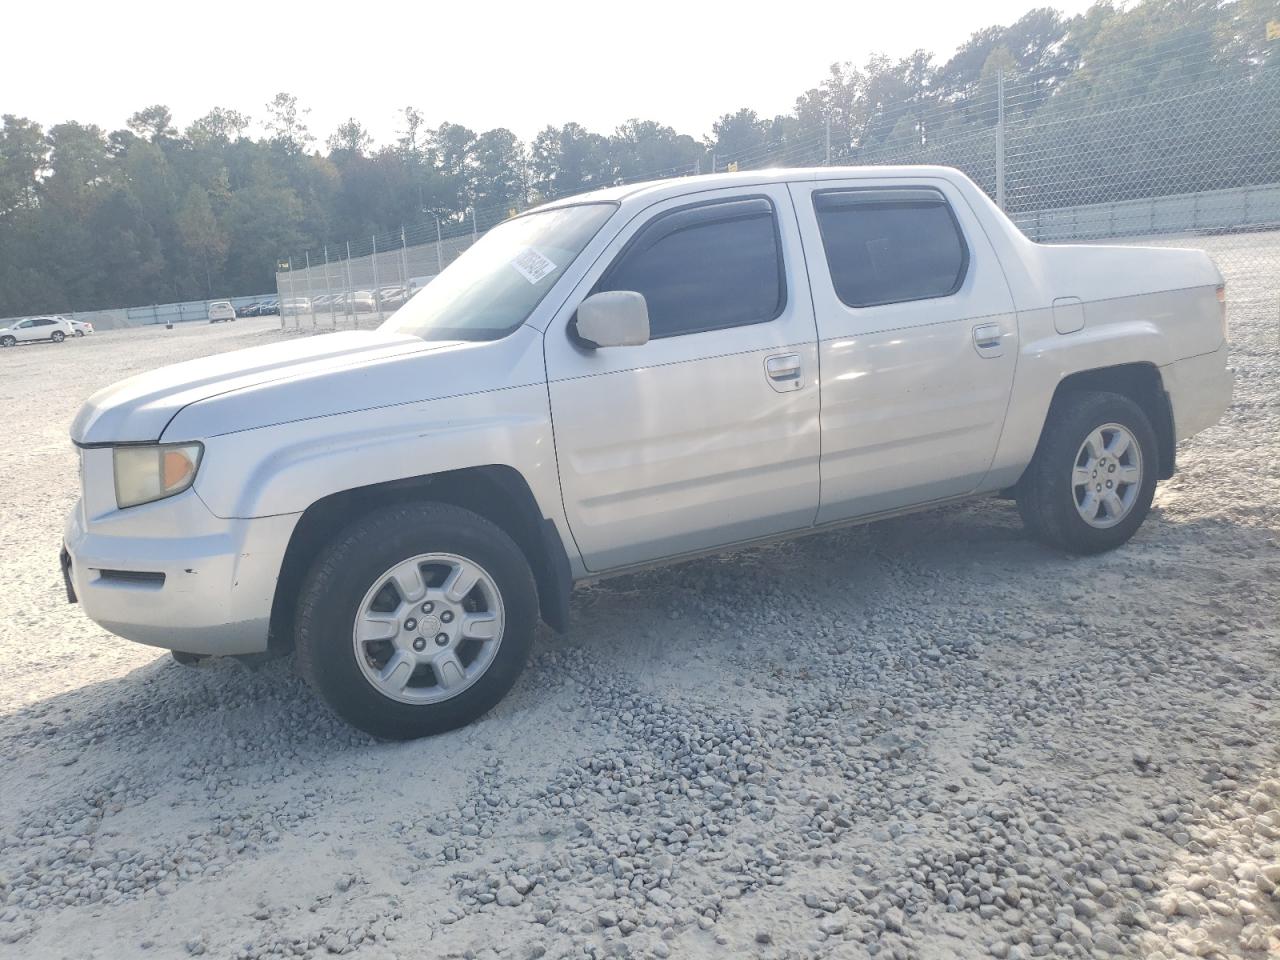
[
  {"x": 632, "y": 376},
  {"x": 221, "y": 311},
  {"x": 81, "y": 327},
  {"x": 56, "y": 329}
]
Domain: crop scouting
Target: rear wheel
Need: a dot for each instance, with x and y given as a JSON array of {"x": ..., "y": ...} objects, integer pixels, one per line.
[
  {"x": 79, "y": 333},
  {"x": 58, "y": 336},
  {"x": 416, "y": 619},
  {"x": 1093, "y": 477}
]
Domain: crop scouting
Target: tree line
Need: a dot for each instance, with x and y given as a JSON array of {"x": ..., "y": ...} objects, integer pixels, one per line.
[{"x": 151, "y": 213}]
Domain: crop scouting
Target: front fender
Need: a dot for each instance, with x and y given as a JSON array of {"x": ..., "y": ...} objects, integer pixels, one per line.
[{"x": 287, "y": 467}]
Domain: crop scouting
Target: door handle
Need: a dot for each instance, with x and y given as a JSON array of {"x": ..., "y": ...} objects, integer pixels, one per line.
[
  {"x": 783, "y": 371},
  {"x": 988, "y": 339}
]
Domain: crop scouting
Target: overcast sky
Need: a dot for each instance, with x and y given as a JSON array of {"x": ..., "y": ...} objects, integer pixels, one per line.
[{"x": 518, "y": 65}]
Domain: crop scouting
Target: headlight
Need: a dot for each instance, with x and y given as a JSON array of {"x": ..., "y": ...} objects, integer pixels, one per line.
[{"x": 149, "y": 472}]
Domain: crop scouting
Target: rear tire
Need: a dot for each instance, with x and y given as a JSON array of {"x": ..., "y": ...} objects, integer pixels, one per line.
[
  {"x": 1090, "y": 485},
  {"x": 384, "y": 645},
  {"x": 79, "y": 333},
  {"x": 57, "y": 336}
]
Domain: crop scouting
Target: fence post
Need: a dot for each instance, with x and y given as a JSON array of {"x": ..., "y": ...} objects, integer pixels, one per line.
[
  {"x": 284, "y": 310},
  {"x": 328, "y": 293},
  {"x": 311, "y": 304},
  {"x": 404, "y": 262},
  {"x": 828, "y": 126},
  {"x": 350, "y": 288},
  {"x": 1000, "y": 139},
  {"x": 439, "y": 246},
  {"x": 377, "y": 291}
]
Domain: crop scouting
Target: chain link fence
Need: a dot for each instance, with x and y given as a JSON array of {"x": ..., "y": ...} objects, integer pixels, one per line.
[{"x": 1191, "y": 164}]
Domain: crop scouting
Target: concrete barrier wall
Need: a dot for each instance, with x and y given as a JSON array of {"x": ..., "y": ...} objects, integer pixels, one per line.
[{"x": 1240, "y": 208}]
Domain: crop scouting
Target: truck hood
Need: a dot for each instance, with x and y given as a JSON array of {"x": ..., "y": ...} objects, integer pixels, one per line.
[{"x": 140, "y": 408}]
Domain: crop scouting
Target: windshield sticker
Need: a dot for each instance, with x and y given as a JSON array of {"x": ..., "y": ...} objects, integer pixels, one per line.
[{"x": 532, "y": 265}]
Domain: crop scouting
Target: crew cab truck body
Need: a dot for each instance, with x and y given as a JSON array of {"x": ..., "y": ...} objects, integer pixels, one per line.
[{"x": 622, "y": 378}]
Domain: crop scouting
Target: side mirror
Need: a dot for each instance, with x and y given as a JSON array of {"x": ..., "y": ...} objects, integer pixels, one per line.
[{"x": 615, "y": 318}]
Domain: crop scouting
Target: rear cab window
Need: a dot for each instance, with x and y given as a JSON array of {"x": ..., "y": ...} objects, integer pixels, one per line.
[{"x": 890, "y": 245}]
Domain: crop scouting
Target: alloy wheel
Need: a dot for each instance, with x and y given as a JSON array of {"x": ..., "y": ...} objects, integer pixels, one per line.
[
  {"x": 428, "y": 628},
  {"x": 1107, "y": 476}
]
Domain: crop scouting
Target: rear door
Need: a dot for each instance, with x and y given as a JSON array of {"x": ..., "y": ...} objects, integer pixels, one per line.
[
  {"x": 707, "y": 434},
  {"x": 917, "y": 339}
]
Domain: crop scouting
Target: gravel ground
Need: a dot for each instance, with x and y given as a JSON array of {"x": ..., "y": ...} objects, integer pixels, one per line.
[{"x": 927, "y": 738}]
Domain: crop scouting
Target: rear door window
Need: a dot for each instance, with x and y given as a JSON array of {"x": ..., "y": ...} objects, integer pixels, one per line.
[{"x": 890, "y": 245}]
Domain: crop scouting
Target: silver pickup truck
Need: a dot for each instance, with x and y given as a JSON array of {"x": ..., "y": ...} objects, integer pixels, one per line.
[{"x": 631, "y": 376}]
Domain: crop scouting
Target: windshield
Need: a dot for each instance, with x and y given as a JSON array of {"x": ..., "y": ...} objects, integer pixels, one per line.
[{"x": 492, "y": 288}]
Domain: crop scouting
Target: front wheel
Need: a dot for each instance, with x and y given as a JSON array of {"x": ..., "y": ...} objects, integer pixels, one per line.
[
  {"x": 58, "y": 336},
  {"x": 1094, "y": 474},
  {"x": 8, "y": 341},
  {"x": 416, "y": 619}
]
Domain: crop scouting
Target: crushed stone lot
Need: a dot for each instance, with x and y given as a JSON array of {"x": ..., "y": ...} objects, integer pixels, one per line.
[{"x": 928, "y": 737}]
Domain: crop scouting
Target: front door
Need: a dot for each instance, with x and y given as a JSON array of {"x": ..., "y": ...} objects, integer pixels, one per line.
[
  {"x": 708, "y": 434},
  {"x": 918, "y": 341}
]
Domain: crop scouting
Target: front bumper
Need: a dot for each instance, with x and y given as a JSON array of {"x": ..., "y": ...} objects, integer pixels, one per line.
[{"x": 171, "y": 574}]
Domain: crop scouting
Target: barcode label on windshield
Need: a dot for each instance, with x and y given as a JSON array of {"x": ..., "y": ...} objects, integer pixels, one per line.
[{"x": 532, "y": 265}]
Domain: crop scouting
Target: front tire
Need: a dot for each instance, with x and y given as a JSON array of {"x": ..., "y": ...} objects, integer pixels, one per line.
[
  {"x": 1090, "y": 485},
  {"x": 8, "y": 341},
  {"x": 416, "y": 619}
]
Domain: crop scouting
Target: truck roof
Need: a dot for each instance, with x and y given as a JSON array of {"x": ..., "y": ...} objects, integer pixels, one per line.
[{"x": 675, "y": 186}]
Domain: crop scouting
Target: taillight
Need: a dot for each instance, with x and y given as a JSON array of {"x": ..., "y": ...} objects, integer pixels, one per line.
[{"x": 1222, "y": 308}]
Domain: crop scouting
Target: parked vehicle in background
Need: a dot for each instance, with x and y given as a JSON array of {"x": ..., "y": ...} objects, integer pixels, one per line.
[
  {"x": 725, "y": 359},
  {"x": 81, "y": 327},
  {"x": 292, "y": 306},
  {"x": 392, "y": 297},
  {"x": 55, "y": 329},
  {"x": 221, "y": 311},
  {"x": 361, "y": 301},
  {"x": 415, "y": 284},
  {"x": 268, "y": 308},
  {"x": 249, "y": 310}
]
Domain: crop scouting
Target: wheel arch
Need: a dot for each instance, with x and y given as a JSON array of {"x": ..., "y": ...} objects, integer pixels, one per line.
[
  {"x": 497, "y": 492},
  {"x": 1140, "y": 382}
]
